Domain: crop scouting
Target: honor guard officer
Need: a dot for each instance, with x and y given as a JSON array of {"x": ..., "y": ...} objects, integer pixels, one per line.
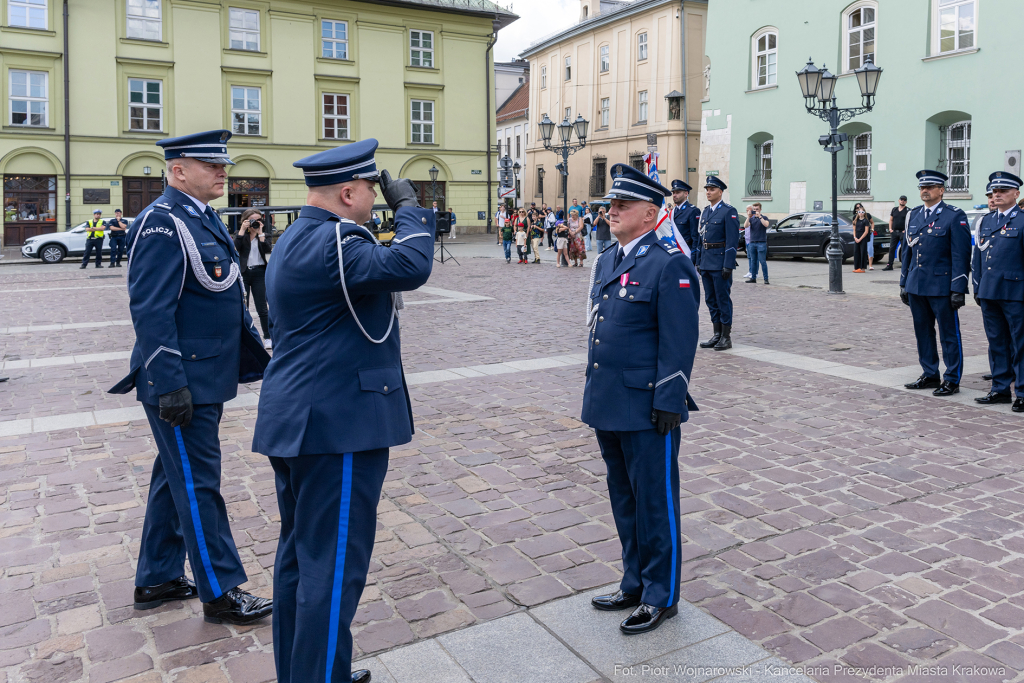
[
  {"x": 685, "y": 215},
  {"x": 195, "y": 342},
  {"x": 643, "y": 315},
  {"x": 719, "y": 235},
  {"x": 999, "y": 288},
  {"x": 334, "y": 399},
  {"x": 933, "y": 282}
]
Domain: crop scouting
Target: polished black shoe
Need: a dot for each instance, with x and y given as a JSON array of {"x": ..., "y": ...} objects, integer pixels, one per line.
[
  {"x": 361, "y": 676},
  {"x": 647, "y": 618},
  {"x": 751, "y": 281},
  {"x": 924, "y": 382},
  {"x": 766, "y": 281},
  {"x": 1018, "y": 405},
  {"x": 181, "y": 588},
  {"x": 987, "y": 378},
  {"x": 615, "y": 601},
  {"x": 710, "y": 343},
  {"x": 947, "y": 388},
  {"x": 887, "y": 268},
  {"x": 237, "y": 607},
  {"x": 994, "y": 397},
  {"x": 80, "y": 267},
  {"x": 725, "y": 342}
]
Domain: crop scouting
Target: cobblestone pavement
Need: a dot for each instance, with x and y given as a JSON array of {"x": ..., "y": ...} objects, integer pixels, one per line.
[{"x": 831, "y": 521}]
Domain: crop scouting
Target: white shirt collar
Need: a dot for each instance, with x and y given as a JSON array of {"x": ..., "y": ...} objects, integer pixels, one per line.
[
  {"x": 629, "y": 247},
  {"x": 202, "y": 206}
]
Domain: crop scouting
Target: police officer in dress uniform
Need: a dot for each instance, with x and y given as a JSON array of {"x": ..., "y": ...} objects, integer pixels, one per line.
[
  {"x": 991, "y": 208},
  {"x": 933, "y": 282},
  {"x": 718, "y": 238},
  {"x": 643, "y": 315},
  {"x": 334, "y": 399},
  {"x": 195, "y": 342},
  {"x": 999, "y": 288},
  {"x": 685, "y": 215}
]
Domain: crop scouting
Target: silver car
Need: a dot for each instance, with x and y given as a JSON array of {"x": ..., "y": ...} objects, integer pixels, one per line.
[{"x": 53, "y": 247}]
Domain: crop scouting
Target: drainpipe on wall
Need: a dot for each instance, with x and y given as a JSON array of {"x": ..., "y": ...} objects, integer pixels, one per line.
[
  {"x": 686, "y": 100},
  {"x": 67, "y": 127},
  {"x": 487, "y": 117}
]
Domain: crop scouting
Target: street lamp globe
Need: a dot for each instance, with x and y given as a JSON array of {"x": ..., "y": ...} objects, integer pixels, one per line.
[
  {"x": 867, "y": 80},
  {"x": 433, "y": 173},
  {"x": 547, "y": 128},
  {"x": 581, "y": 125},
  {"x": 826, "y": 85},
  {"x": 565, "y": 131},
  {"x": 540, "y": 173},
  {"x": 810, "y": 80},
  {"x": 516, "y": 167}
]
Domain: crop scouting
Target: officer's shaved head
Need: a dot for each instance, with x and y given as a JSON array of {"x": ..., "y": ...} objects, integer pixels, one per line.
[
  {"x": 200, "y": 179},
  {"x": 352, "y": 199}
]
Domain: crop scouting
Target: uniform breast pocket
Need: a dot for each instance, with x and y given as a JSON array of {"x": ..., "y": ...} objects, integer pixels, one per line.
[
  {"x": 940, "y": 232},
  {"x": 1012, "y": 232},
  {"x": 633, "y": 309},
  {"x": 215, "y": 257}
]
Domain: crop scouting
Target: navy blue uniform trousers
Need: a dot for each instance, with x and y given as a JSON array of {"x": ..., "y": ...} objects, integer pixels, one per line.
[
  {"x": 928, "y": 310},
  {"x": 643, "y": 486},
  {"x": 717, "y": 296},
  {"x": 1004, "y": 327},
  {"x": 328, "y": 507},
  {"x": 185, "y": 509}
]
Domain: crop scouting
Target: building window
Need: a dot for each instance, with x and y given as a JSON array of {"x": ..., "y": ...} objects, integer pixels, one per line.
[
  {"x": 27, "y": 13},
  {"x": 641, "y": 47},
  {"x": 636, "y": 160},
  {"x": 568, "y": 113},
  {"x": 597, "y": 177},
  {"x": 421, "y": 49},
  {"x": 956, "y": 144},
  {"x": 766, "y": 58},
  {"x": 145, "y": 105},
  {"x": 760, "y": 184},
  {"x": 30, "y": 207},
  {"x": 568, "y": 68},
  {"x": 245, "y": 111},
  {"x": 543, "y": 77},
  {"x": 540, "y": 182},
  {"x": 335, "y": 39},
  {"x": 28, "y": 98},
  {"x": 642, "y": 102},
  {"x": 423, "y": 121},
  {"x": 244, "y": 29},
  {"x": 606, "y": 61},
  {"x": 956, "y": 25},
  {"x": 519, "y": 148},
  {"x": 858, "y": 171},
  {"x": 335, "y": 116},
  {"x": 144, "y": 19},
  {"x": 605, "y": 104},
  {"x": 860, "y": 35}
]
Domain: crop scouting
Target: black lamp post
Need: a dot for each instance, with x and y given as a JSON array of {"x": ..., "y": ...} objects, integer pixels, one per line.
[
  {"x": 565, "y": 131},
  {"x": 433, "y": 182},
  {"x": 515, "y": 171},
  {"x": 818, "y": 88},
  {"x": 540, "y": 178}
]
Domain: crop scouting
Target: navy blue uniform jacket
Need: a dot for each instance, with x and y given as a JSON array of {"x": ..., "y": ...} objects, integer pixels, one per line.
[
  {"x": 998, "y": 271},
  {"x": 328, "y": 388},
  {"x": 643, "y": 342},
  {"x": 686, "y": 217},
  {"x": 720, "y": 227},
  {"x": 937, "y": 261},
  {"x": 186, "y": 334}
]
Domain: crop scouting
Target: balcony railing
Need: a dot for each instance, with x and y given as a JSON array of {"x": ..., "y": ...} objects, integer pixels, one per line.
[{"x": 760, "y": 184}]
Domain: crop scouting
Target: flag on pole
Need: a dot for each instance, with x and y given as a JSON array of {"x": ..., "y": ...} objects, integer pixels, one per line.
[
  {"x": 668, "y": 232},
  {"x": 651, "y": 159}
]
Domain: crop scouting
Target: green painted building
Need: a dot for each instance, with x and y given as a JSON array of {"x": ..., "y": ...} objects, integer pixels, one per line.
[
  {"x": 940, "y": 104},
  {"x": 289, "y": 77}
]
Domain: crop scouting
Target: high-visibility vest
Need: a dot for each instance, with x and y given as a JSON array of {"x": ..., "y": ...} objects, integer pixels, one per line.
[{"x": 94, "y": 229}]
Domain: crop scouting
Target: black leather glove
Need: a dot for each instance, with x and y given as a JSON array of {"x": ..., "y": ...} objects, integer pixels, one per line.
[
  {"x": 726, "y": 273},
  {"x": 398, "y": 193},
  {"x": 977, "y": 300},
  {"x": 664, "y": 421},
  {"x": 957, "y": 300},
  {"x": 904, "y": 297},
  {"x": 176, "y": 407}
]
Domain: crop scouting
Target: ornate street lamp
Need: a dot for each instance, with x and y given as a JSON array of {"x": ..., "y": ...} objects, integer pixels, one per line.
[
  {"x": 565, "y": 132},
  {"x": 433, "y": 182}
]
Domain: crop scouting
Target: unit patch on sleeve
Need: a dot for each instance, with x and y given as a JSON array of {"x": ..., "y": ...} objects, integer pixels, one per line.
[{"x": 157, "y": 230}]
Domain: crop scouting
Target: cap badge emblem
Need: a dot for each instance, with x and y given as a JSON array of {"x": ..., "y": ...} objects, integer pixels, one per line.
[{"x": 224, "y": 136}]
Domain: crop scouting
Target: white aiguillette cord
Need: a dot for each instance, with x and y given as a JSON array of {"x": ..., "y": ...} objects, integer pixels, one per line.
[
  {"x": 396, "y": 297},
  {"x": 592, "y": 310}
]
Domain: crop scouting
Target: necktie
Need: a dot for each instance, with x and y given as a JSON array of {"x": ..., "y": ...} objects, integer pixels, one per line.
[
  {"x": 927, "y": 215},
  {"x": 618, "y": 258}
]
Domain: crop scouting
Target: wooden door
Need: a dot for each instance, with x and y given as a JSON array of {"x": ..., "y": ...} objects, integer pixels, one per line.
[{"x": 139, "y": 193}]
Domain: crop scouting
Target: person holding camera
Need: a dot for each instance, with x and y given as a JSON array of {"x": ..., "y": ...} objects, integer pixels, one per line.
[
  {"x": 254, "y": 251},
  {"x": 334, "y": 398},
  {"x": 757, "y": 247}
]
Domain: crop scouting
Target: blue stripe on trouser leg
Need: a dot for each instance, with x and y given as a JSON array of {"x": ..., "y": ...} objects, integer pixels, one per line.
[
  {"x": 960, "y": 346},
  {"x": 669, "y": 499},
  {"x": 190, "y": 488},
  {"x": 339, "y": 563}
]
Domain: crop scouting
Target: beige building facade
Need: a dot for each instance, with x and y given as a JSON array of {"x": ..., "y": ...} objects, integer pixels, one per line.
[{"x": 632, "y": 70}]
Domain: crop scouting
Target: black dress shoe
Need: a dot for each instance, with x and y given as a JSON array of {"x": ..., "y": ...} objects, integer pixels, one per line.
[
  {"x": 947, "y": 388},
  {"x": 994, "y": 397},
  {"x": 751, "y": 281},
  {"x": 148, "y": 597},
  {"x": 237, "y": 607},
  {"x": 616, "y": 601},
  {"x": 361, "y": 676},
  {"x": 647, "y": 618},
  {"x": 924, "y": 382},
  {"x": 1018, "y": 405},
  {"x": 987, "y": 378},
  {"x": 887, "y": 268}
]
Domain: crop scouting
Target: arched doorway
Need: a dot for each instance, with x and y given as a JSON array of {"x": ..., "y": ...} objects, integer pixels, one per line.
[{"x": 30, "y": 197}]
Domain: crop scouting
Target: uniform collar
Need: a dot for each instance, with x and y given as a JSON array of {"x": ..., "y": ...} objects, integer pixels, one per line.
[
  {"x": 183, "y": 197},
  {"x": 628, "y": 249},
  {"x": 316, "y": 213}
]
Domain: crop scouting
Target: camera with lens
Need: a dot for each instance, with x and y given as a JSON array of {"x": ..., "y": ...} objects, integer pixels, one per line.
[{"x": 256, "y": 225}]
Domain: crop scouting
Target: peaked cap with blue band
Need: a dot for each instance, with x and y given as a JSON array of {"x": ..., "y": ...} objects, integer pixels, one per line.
[
  {"x": 928, "y": 178},
  {"x": 715, "y": 181},
  {"x": 341, "y": 164},
  {"x": 630, "y": 184},
  {"x": 1004, "y": 179},
  {"x": 210, "y": 146},
  {"x": 678, "y": 185}
]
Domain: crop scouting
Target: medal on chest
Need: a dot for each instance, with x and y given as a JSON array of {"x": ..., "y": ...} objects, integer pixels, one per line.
[{"x": 623, "y": 279}]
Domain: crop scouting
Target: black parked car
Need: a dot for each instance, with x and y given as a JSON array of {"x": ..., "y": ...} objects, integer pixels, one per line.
[{"x": 808, "y": 234}]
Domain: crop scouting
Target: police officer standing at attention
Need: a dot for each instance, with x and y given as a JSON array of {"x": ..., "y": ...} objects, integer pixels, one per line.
[
  {"x": 643, "y": 318},
  {"x": 933, "y": 282},
  {"x": 685, "y": 215},
  {"x": 719, "y": 236},
  {"x": 334, "y": 399},
  {"x": 195, "y": 343},
  {"x": 999, "y": 288}
]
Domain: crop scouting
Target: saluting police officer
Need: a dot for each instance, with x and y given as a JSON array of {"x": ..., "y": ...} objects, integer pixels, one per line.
[
  {"x": 685, "y": 215},
  {"x": 643, "y": 315},
  {"x": 999, "y": 288},
  {"x": 194, "y": 343},
  {"x": 334, "y": 399},
  {"x": 718, "y": 239},
  {"x": 933, "y": 282}
]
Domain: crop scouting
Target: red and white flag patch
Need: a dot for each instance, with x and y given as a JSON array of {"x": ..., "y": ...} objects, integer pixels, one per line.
[{"x": 684, "y": 283}]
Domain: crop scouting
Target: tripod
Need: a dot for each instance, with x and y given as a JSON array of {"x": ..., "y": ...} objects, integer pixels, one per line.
[{"x": 439, "y": 252}]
